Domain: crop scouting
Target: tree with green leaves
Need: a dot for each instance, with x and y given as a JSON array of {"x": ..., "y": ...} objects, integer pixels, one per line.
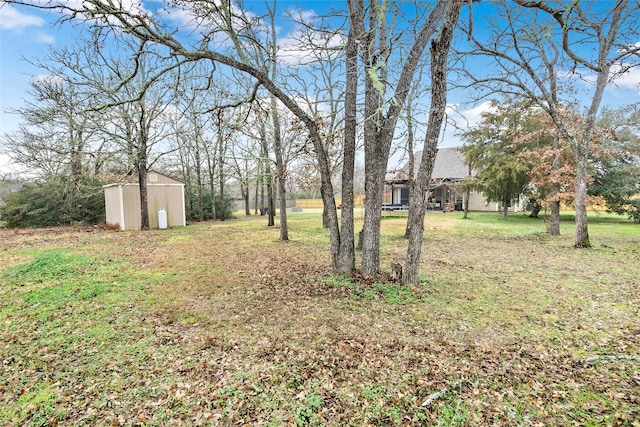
[
  {"x": 616, "y": 173},
  {"x": 539, "y": 51},
  {"x": 501, "y": 175}
]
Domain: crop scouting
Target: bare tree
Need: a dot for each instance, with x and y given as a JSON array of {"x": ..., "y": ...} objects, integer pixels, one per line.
[
  {"x": 227, "y": 35},
  {"x": 136, "y": 104},
  {"x": 528, "y": 45},
  {"x": 58, "y": 133},
  {"x": 381, "y": 109}
]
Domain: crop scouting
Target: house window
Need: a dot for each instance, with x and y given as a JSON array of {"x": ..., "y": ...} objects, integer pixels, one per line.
[
  {"x": 153, "y": 177},
  {"x": 404, "y": 196}
]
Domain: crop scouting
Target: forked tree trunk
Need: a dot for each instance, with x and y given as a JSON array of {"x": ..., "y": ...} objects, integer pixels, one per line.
[
  {"x": 379, "y": 126},
  {"x": 376, "y": 149}
]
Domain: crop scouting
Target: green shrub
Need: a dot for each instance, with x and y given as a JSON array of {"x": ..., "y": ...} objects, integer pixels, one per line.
[
  {"x": 51, "y": 202},
  {"x": 225, "y": 208}
]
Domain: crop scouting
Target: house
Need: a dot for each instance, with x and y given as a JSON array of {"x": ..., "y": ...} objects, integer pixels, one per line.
[
  {"x": 449, "y": 170},
  {"x": 122, "y": 202}
]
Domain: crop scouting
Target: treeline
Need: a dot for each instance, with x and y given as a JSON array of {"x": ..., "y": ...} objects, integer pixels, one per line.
[
  {"x": 515, "y": 151},
  {"x": 236, "y": 96}
]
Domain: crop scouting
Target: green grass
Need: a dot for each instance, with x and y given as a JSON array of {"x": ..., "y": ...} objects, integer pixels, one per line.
[{"x": 221, "y": 324}]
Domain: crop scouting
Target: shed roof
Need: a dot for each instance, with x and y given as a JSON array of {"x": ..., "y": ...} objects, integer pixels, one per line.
[{"x": 132, "y": 179}]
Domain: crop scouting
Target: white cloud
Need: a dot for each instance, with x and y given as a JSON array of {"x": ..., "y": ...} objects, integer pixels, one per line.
[
  {"x": 303, "y": 15},
  {"x": 622, "y": 75},
  {"x": 49, "y": 79},
  {"x": 78, "y": 8},
  {"x": 182, "y": 17},
  {"x": 44, "y": 38},
  {"x": 12, "y": 19},
  {"x": 305, "y": 47},
  {"x": 465, "y": 119},
  {"x": 629, "y": 79},
  {"x": 459, "y": 121}
]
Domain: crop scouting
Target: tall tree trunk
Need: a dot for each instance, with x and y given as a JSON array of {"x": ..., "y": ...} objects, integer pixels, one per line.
[
  {"x": 268, "y": 179},
  {"x": 144, "y": 198},
  {"x": 199, "y": 182},
  {"x": 211, "y": 171},
  {"x": 439, "y": 55},
  {"x": 346, "y": 260},
  {"x": 244, "y": 189},
  {"x": 141, "y": 167},
  {"x": 580, "y": 205},
  {"x": 411, "y": 181},
  {"x": 581, "y": 152},
  {"x": 245, "y": 194},
  {"x": 256, "y": 190},
  {"x": 418, "y": 205},
  {"x": 75, "y": 163},
  {"x": 260, "y": 186},
  {"x": 222, "y": 146},
  {"x": 280, "y": 168},
  {"x": 374, "y": 187},
  {"x": 271, "y": 205},
  {"x": 186, "y": 173},
  {"x": 554, "y": 218},
  {"x": 376, "y": 155},
  {"x": 467, "y": 195}
]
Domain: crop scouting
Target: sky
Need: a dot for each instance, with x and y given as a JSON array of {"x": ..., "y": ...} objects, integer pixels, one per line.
[{"x": 29, "y": 33}]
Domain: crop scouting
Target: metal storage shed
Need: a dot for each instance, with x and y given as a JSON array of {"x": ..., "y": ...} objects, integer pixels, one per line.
[{"x": 122, "y": 202}]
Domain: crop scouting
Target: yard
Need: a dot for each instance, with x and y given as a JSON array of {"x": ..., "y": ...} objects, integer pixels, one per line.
[{"x": 221, "y": 324}]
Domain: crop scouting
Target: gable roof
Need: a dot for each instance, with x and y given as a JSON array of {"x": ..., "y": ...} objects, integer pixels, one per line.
[{"x": 449, "y": 164}]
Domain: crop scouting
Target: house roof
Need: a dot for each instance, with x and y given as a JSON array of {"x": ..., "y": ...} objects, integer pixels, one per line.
[
  {"x": 449, "y": 165},
  {"x": 153, "y": 177}
]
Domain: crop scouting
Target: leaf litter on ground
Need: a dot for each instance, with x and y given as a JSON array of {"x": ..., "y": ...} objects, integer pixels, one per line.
[{"x": 221, "y": 324}]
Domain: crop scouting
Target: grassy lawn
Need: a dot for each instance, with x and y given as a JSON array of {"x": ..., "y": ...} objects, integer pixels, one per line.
[{"x": 221, "y": 324}]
